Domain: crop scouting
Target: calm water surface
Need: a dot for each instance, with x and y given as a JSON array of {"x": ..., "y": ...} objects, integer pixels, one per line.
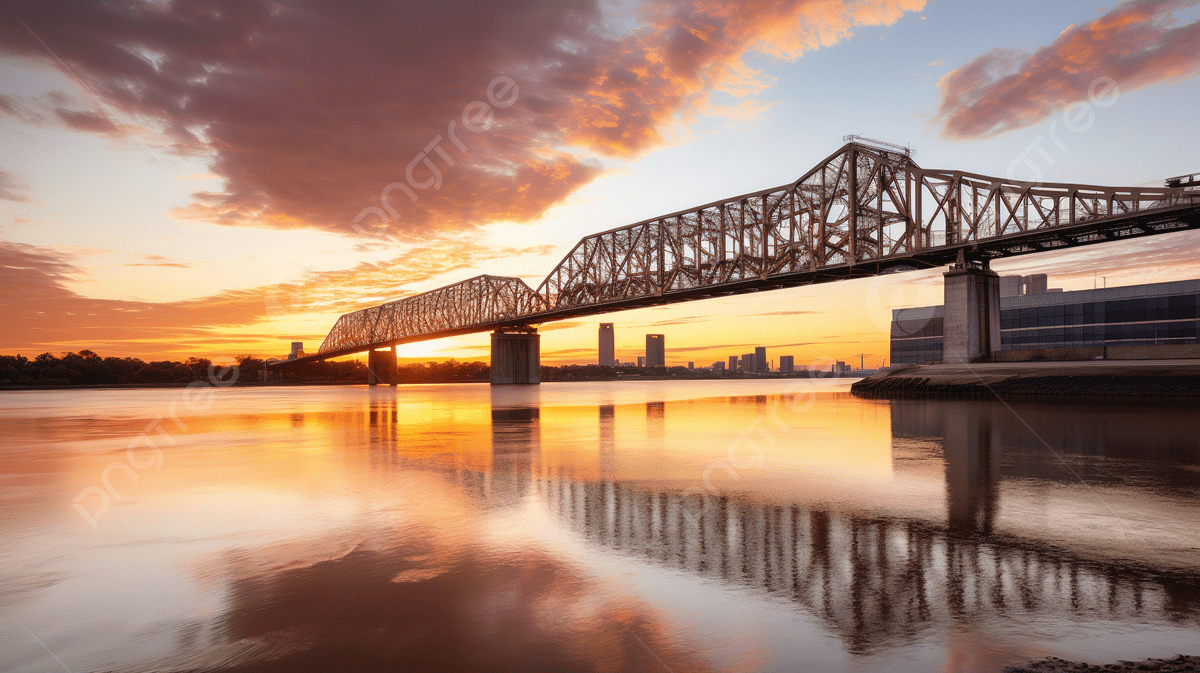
[{"x": 667, "y": 526}]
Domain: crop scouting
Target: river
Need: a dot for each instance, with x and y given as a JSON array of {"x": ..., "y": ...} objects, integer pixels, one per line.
[{"x": 674, "y": 526}]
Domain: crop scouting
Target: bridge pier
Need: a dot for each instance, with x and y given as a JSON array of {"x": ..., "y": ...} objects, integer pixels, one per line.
[
  {"x": 971, "y": 327},
  {"x": 381, "y": 367},
  {"x": 516, "y": 356}
]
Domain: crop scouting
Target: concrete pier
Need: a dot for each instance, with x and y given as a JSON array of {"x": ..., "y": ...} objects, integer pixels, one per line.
[
  {"x": 516, "y": 357},
  {"x": 381, "y": 367},
  {"x": 971, "y": 331}
]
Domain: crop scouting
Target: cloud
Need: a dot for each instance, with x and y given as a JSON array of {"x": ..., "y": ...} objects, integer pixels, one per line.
[
  {"x": 159, "y": 260},
  {"x": 784, "y": 313},
  {"x": 11, "y": 188},
  {"x": 1137, "y": 44},
  {"x": 309, "y": 109},
  {"x": 565, "y": 324},
  {"x": 43, "y": 314}
]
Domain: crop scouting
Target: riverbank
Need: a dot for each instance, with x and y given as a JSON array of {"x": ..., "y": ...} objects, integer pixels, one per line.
[
  {"x": 1097, "y": 378},
  {"x": 1179, "y": 664}
]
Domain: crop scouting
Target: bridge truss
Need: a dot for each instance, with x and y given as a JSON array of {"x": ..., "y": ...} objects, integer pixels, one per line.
[{"x": 866, "y": 209}]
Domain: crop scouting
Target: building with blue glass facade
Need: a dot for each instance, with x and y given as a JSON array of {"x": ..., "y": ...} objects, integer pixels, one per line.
[{"x": 1034, "y": 317}]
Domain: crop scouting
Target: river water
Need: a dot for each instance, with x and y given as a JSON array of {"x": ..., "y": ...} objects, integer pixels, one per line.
[{"x": 653, "y": 526}]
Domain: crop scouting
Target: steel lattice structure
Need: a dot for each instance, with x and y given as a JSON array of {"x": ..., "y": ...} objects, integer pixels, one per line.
[
  {"x": 865, "y": 209},
  {"x": 454, "y": 309}
]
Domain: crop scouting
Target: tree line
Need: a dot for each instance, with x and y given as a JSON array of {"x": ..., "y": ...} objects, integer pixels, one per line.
[{"x": 86, "y": 367}]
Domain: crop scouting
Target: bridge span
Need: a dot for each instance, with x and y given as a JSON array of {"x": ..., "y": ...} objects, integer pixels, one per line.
[{"x": 867, "y": 209}]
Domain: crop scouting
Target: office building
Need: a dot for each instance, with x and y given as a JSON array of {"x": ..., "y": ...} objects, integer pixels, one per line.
[
  {"x": 641, "y": 361},
  {"x": 760, "y": 359},
  {"x": 607, "y": 345},
  {"x": 747, "y": 362},
  {"x": 1156, "y": 314},
  {"x": 787, "y": 363},
  {"x": 297, "y": 350},
  {"x": 691, "y": 365},
  {"x": 733, "y": 363},
  {"x": 718, "y": 366},
  {"x": 656, "y": 350}
]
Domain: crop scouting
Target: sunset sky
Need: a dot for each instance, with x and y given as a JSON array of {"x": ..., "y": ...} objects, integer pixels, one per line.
[{"x": 184, "y": 177}]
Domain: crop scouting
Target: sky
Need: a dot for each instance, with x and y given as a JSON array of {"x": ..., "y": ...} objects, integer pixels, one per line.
[{"x": 216, "y": 178}]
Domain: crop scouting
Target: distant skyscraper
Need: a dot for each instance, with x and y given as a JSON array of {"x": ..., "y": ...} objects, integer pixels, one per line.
[
  {"x": 641, "y": 360},
  {"x": 608, "y": 355},
  {"x": 691, "y": 365},
  {"x": 733, "y": 363},
  {"x": 760, "y": 359},
  {"x": 787, "y": 363},
  {"x": 718, "y": 366},
  {"x": 747, "y": 363},
  {"x": 656, "y": 350}
]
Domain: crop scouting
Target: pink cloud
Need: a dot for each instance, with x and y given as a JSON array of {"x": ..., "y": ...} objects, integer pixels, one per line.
[
  {"x": 11, "y": 188},
  {"x": 1137, "y": 44},
  {"x": 310, "y": 108}
]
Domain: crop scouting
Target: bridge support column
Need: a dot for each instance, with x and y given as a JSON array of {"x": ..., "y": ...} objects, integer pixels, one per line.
[
  {"x": 516, "y": 357},
  {"x": 381, "y": 367},
  {"x": 971, "y": 327}
]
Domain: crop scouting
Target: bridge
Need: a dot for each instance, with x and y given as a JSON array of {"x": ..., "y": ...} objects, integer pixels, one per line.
[{"x": 865, "y": 210}]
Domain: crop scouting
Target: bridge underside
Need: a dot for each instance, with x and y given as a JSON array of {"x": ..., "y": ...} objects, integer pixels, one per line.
[{"x": 862, "y": 212}]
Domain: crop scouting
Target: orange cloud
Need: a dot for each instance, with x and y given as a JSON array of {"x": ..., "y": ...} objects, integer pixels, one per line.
[
  {"x": 43, "y": 314},
  {"x": 1137, "y": 44},
  {"x": 311, "y": 108}
]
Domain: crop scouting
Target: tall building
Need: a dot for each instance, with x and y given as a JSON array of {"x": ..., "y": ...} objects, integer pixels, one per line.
[
  {"x": 608, "y": 353},
  {"x": 641, "y": 361},
  {"x": 718, "y": 366},
  {"x": 691, "y": 365},
  {"x": 1156, "y": 314},
  {"x": 760, "y": 359},
  {"x": 787, "y": 363},
  {"x": 747, "y": 363},
  {"x": 733, "y": 363},
  {"x": 656, "y": 350}
]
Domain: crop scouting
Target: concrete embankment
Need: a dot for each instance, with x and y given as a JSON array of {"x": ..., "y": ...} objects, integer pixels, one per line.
[{"x": 1097, "y": 378}]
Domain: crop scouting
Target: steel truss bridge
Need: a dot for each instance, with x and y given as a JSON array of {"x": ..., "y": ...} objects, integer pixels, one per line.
[{"x": 866, "y": 209}]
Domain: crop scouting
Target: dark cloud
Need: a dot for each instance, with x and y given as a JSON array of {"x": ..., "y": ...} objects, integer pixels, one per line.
[
  {"x": 310, "y": 108},
  {"x": 1137, "y": 44},
  {"x": 91, "y": 122}
]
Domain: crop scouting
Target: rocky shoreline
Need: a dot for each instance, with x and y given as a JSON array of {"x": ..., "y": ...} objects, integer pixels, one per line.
[{"x": 1179, "y": 664}]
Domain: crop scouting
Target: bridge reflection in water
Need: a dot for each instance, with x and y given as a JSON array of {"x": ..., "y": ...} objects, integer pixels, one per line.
[{"x": 875, "y": 580}]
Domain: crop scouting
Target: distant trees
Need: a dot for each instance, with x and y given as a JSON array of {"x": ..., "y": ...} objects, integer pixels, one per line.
[{"x": 86, "y": 367}]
